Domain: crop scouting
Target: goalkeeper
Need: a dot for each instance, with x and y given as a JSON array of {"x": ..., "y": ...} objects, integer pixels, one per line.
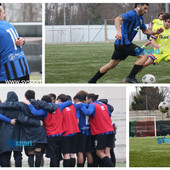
[{"x": 161, "y": 42}]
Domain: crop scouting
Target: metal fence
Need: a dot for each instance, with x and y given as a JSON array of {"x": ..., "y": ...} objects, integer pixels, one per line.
[{"x": 82, "y": 33}]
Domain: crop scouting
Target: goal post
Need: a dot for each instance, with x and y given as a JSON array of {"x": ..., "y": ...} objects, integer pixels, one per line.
[
  {"x": 109, "y": 29},
  {"x": 142, "y": 126}
]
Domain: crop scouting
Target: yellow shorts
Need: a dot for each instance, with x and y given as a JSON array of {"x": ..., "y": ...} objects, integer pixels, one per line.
[{"x": 157, "y": 58}]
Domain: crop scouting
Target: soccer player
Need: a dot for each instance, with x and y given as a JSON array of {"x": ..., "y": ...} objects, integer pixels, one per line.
[
  {"x": 54, "y": 129},
  {"x": 156, "y": 23},
  {"x": 132, "y": 22},
  {"x": 13, "y": 63},
  {"x": 101, "y": 128},
  {"x": 161, "y": 42},
  {"x": 9, "y": 133},
  {"x": 84, "y": 145},
  {"x": 69, "y": 145}
]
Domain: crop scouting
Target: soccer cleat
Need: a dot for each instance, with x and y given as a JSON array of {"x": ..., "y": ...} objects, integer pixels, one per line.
[
  {"x": 130, "y": 80},
  {"x": 91, "y": 81}
]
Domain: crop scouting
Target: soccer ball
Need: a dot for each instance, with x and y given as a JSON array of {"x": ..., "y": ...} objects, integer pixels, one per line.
[
  {"x": 148, "y": 78},
  {"x": 163, "y": 107}
]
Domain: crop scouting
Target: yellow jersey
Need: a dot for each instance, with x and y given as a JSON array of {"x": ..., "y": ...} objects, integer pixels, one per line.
[
  {"x": 157, "y": 23},
  {"x": 163, "y": 40}
]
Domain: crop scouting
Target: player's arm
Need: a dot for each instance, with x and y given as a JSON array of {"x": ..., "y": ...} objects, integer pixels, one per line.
[
  {"x": 34, "y": 111},
  {"x": 8, "y": 120},
  {"x": 153, "y": 42},
  {"x": 65, "y": 104},
  {"x": 150, "y": 32},
  {"x": 118, "y": 23},
  {"x": 87, "y": 111}
]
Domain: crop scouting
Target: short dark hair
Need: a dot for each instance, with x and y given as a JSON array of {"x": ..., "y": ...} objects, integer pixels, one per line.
[
  {"x": 166, "y": 16},
  {"x": 46, "y": 98},
  {"x": 92, "y": 96},
  {"x": 136, "y": 4},
  {"x": 79, "y": 97},
  {"x": 30, "y": 94},
  {"x": 52, "y": 95},
  {"x": 0, "y": 4},
  {"x": 62, "y": 97},
  {"x": 161, "y": 13}
]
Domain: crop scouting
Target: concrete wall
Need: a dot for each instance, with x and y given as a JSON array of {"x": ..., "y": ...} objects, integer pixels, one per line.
[
  {"x": 81, "y": 33},
  {"x": 156, "y": 113},
  {"x": 115, "y": 95}
]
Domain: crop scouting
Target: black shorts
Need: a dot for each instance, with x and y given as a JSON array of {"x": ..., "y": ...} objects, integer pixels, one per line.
[
  {"x": 84, "y": 143},
  {"x": 69, "y": 144},
  {"x": 122, "y": 51},
  {"x": 53, "y": 149},
  {"x": 103, "y": 141}
]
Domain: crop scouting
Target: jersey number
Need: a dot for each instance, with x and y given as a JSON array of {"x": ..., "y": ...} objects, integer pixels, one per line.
[
  {"x": 13, "y": 35},
  {"x": 87, "y": 120}
]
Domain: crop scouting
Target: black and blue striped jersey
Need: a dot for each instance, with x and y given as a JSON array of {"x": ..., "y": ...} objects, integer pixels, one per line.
[
  {"x": 13, "y": 63},
  {"x": 130, "y": 26}
]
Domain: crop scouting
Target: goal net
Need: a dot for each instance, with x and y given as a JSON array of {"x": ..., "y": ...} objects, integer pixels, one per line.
[{"x": 142, "y": 126}]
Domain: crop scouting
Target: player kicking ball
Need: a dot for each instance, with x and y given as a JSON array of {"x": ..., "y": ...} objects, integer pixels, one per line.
[
  {"x": 161, "y": 42},
  {"x": 127, "y": 26}
]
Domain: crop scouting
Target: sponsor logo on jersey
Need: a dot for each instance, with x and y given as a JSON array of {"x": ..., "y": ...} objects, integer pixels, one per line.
[
  {"x": 137, "y": 28},
  {"x": 11, "y": 57}
]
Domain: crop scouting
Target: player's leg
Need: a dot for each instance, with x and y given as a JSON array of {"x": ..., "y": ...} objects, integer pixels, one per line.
[
  {"x": 89, "y": 149},
  {"x": 38, "y": 155},
  {"x": 103, "y": 70},
  {"x": 107, "y": 151},
  {"x": 6, "y": 156},
  {"x": 18, "y": 158},
  {"x": 135, "y": 50},
  {"x": 89, "y": 159},
  {"x": 101, "y": 144},
  {"x": 30, "y": 157},
  {"x": 66, "y": 145}
]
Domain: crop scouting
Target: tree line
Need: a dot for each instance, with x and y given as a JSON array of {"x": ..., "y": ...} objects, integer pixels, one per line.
[{"x": 93, "y": 13}]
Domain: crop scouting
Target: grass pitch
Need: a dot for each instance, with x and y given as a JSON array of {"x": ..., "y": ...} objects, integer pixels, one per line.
[
  {"x": 146, "y": 152},
  {"x": 77, "y": 63}
]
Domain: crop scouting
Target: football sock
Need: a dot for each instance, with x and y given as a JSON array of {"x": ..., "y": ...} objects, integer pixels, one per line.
[
  {"x": 106, "y": 162},
  {"x": 113, "y": 158},
  {"x": 5, "y": 162},
  {"x": 80, "y": 165},
  {"x": 38, "y": 159},
  {"x": 31, "y": 160},
  {"x": 90, "y": 165},
  {"x": 66, "y": 163},
  {"x": 72, "y": 162},
  {"x": 18, "y": 159},
  {"x": 135, "y": 70},
  {"x": 54, "y": 162},
  {"x": 98, "y": 75}
]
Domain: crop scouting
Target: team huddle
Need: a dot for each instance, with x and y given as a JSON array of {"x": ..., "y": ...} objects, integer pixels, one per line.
[{"x": 63, "y": 131}]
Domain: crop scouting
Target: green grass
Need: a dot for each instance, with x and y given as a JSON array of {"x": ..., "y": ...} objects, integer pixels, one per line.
[
  {"x": 36, "y": 78},
  {"x": 146, "y": 152},
  {"x": 77, "y": 63}
]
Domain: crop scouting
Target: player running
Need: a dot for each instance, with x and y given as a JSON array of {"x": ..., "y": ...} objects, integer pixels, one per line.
[
  {"x": 132, "y": 22},
  {"x": 13, "y": 63},
  {"x": 161, "y": 42}
]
